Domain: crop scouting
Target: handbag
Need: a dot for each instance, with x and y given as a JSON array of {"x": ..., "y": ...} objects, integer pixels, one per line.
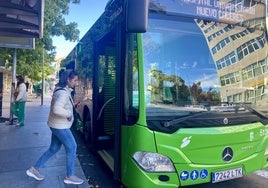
[
  {"x": 77, "y": 123},
  {"x": 16, "y": 93}
]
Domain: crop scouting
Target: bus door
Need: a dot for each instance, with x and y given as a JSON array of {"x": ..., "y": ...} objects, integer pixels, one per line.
[
  {"x": 105, "y": 108},
  {"x": 105, "y": 91}
]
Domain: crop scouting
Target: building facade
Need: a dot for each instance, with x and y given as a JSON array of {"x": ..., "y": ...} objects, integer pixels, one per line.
[{"x": 238, "y": 45}]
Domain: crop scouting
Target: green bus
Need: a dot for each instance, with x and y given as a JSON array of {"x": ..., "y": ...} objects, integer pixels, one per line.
[{"x": 175, "y": 92}]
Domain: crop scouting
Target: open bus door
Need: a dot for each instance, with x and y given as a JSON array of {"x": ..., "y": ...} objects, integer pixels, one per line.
[
  {"x": 108, "y": 84},
  {"x": 106, "y": 95},
  {"x": 103, "y": 126}
]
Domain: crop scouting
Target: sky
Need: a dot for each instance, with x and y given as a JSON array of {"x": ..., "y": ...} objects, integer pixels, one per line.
[{"x": 84, "y": 14}]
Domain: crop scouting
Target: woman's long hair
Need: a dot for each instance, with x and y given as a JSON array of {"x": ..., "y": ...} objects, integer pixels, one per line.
[
  {"x": 20, "y": 80},
  {"x": 64, "y": 76}
]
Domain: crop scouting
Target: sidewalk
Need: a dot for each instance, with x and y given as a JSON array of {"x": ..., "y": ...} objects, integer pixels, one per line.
[{"x": 20, "y": 147}]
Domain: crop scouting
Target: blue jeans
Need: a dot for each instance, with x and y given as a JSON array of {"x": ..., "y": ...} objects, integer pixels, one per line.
[{"x": 59, "y": 137}]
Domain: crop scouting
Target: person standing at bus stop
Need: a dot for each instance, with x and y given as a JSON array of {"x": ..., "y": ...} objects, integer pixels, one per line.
[
  {"x": 60, "y": 121},
  {"x": 20, "y": 96}
]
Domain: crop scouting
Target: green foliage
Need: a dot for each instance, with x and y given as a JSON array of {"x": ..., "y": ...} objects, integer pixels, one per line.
[
  {"x": 29, "y": 62},
  {"x": 179, "y": 93}
]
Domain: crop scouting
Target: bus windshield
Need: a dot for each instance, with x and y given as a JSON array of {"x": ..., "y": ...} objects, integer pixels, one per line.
[{"x": 197, "y": 70}]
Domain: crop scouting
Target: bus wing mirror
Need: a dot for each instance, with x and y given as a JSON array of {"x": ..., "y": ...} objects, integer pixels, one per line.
[{"x": 137, "y": 16}]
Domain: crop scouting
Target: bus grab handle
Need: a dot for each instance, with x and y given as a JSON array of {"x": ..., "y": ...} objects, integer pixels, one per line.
[{"x": 102, "y": 108}]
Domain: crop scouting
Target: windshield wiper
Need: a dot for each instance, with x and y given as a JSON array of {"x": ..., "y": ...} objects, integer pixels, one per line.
[
  {"x": 263, "y": 117},
  {"x": 256, "y": 112},
  {"x": 179, "y": 120}
]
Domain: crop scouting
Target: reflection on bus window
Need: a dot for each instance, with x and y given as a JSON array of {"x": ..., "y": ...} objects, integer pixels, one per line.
[
  {"x": 199, "y": 66},
  {"x": 131, "y": 100}
]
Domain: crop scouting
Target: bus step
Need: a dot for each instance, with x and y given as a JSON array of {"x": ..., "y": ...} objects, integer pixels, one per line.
[{"x": 106, "y": 137}]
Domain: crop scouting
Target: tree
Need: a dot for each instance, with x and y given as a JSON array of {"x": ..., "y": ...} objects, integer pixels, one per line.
[
  {"x": 210, "y": 97},
  {"x": 29, "y": 61},
  {"x": 196, "y": 91}
]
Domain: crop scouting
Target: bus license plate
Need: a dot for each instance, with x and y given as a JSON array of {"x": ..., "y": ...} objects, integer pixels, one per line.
[{"x": 227, "y": 175}]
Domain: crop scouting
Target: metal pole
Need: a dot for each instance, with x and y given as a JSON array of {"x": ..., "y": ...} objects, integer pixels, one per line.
[
  {"x": 75, "y": 57},
  {"x": 43, "y": 82},
  {"x": 14, "y": 67}
]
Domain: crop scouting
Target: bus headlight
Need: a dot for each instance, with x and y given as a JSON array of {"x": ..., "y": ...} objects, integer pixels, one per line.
[{"x": 153, "y": 162}]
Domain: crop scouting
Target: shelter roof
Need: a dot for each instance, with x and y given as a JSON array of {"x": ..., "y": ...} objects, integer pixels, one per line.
[{"x": 21, "y": 18}]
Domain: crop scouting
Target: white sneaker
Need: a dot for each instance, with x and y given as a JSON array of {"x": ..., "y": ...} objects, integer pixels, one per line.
[
  {"x": 32, "y": 172},
  {"x": 73, "y": 180},
  {"x": 8, "y": 123}
]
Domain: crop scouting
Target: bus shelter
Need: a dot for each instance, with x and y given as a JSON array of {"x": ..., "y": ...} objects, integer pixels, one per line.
[{"x": 21, "y": 21}]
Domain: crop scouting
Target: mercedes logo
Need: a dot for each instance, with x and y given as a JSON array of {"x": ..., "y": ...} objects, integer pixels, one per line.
[
  {"x": 227, "y": 154},
  {"x": 225, "y": 121}
]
